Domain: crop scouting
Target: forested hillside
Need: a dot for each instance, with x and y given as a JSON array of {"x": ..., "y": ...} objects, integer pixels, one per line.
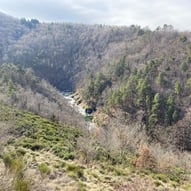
[
  {"x": 11, "y": 30},
  {"x": 68, "y": 50},
  {"x": 22, "y": 89},
  {"x": 151, "y": 83},
  {"x": 135, "y": 81}
]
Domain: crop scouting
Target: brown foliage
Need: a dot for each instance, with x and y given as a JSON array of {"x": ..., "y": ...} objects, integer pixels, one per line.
[{"x": 145, "y": 159}]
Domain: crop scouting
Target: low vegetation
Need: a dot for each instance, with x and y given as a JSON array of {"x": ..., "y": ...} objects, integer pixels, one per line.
[
  {"x": 36, "y": 133},
  {"x": 29, "y": 146},
  {"x": 44, "y": 169}
]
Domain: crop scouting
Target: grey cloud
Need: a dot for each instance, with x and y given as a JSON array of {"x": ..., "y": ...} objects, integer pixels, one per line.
[{"x": 150, "y": 13}]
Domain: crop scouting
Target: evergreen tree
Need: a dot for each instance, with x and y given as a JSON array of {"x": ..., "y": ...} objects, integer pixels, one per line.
[
  {"x": 120, "y": 67},
  {"x": 177, "y": 88},
  {"x": 156, "y": 103},
  {"x": 170, "y": 110},
  {"x": 155, "y": 111},
  {"x": 175, "y": 116},
  {"x": 160, "y": 79},
  {"x": 188, "y": 86},
  {"x": 144, "y": 93}
]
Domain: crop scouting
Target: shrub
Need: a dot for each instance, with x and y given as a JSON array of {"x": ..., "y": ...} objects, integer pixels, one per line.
[
  {"x": 69, "y": 156},
  {"x": 161, "y": 177},
  {"x": 157, "y": 183},
  {"x": 44, "y": 169},
  {"x": 119, "y": 172},
  {"x": 63, "y": 152},
  {"x": 145, "y": 159},
  {"x": 11, "y": 140},
  {"x": 21, "y": 152},
  {"x": 21, "y": 185},
  {"x": 81, "y": 187},
  {"x": 7, "y": 160},
  {"x": 88, "y": 118},
  {"x": 33, "y": 146},
  {"x": 76, "y": 171},
  {"x": 183, "y": 38},
  {"x": 15, "y": 165}
]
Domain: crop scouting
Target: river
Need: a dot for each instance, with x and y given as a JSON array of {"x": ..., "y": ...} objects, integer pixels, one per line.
[{"x": 78, "y": 108}]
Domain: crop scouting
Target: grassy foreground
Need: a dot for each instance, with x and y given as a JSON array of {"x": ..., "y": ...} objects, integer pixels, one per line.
[{"x": 38, "y": 154}]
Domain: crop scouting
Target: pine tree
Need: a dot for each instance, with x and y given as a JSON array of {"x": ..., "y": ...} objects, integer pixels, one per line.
[
  {"x": 177, "y": 88},
  {"x": 160, "y": 79},
  {"x": 170, "y": 110},
  {"x": 155, "y": 111},
  {"x": 144, "y": 93}
]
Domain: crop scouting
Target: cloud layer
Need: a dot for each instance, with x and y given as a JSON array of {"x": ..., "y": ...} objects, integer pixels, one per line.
[{"x": 150, "y": 13}]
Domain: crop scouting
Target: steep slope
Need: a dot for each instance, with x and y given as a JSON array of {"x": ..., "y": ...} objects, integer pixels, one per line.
[
  {"x": 140, "y": 72},
  {"x": 42, "y": 155},
  {"x": 21, "y": 88},
  {"x": 150, "y": 83},
  {"x": 69, "y": 50},
  {"x": 11, "y": 30}
]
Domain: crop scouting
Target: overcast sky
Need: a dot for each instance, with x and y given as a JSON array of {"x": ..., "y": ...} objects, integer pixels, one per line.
[{"x": 150, "y": 13}]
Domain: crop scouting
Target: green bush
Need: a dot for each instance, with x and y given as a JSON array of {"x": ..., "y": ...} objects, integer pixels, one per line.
[
  {"x": 175, "y": 178},
  {"x": 81, "y": 186},
  {"x": 161, "y": 177},
  {"x": 88, "y": 118},
  {"x": 44, "y": 169},
  {"x": 13, "y": 163},
  {"x": 63, "y": 152},
  {"x": 21, "y": 185},
  {"x": 21, "y": 152},
  {"x": 183, "y": 38},
  {"x": 17, "y": 166},
  {"x": 11, "y": 140},
  {"x": 69, "y": 156},
  {"x": 33, "y": 146},
  {"x": 77, "y": 172},
  {"x": 7, "y": 160},
  {"x": 157, "y": 183},
  {"x": 119, "y": 172}
]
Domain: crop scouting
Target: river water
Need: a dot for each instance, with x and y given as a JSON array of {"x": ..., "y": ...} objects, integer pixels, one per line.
[
  {"x": 78, "y": 108},
  {"x": 72, "y": 103}
]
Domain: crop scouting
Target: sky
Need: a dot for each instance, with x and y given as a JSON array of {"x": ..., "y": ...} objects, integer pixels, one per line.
[{"x": 146, "y": 13}]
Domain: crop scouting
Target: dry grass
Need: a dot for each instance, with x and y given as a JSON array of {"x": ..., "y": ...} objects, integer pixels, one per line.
[
  {"x": 166, "y": 158},
  {"x": 140, "y": 184},
  {"x": 5, "y": 179},
  {"x": 95, "y": 177}
]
